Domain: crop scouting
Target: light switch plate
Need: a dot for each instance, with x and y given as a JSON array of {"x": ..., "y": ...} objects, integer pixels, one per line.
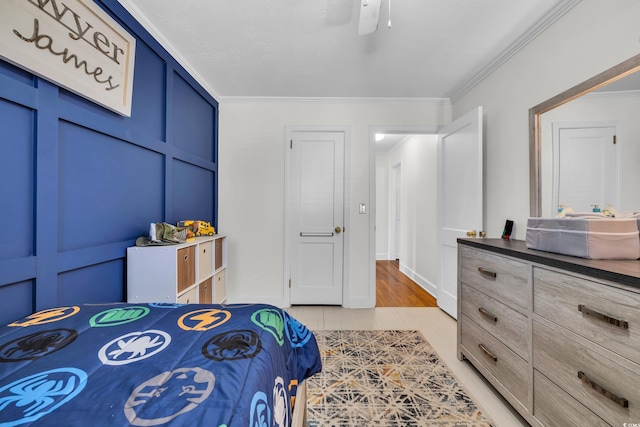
[{"x": 363, "y": 208}]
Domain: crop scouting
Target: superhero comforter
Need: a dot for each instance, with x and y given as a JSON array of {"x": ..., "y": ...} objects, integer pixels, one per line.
[{"x": 154, "y": 365}]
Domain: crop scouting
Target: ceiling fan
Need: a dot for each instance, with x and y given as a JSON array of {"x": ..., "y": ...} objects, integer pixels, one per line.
[{"x": 370, "y": 15}]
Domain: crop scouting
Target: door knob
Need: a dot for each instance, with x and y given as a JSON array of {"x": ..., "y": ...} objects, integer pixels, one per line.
[
  {"x": 338, "y": 230},
  {"x": 472, "y": 233}
]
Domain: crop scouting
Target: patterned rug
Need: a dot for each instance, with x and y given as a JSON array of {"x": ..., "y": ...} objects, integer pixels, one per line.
[{"x": 385, "y": 378}]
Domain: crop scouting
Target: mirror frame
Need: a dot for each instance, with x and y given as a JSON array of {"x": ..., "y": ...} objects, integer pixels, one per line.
[{"x": 614, "y": 73}]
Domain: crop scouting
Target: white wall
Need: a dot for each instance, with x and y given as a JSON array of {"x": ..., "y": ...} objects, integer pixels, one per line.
[
  {"x": 251, "y": 192},
  {"x": 594, "y": 36},
  {"x": 418, "y": 235}
]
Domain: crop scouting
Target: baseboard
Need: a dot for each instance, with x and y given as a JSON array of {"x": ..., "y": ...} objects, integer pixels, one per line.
[
  {"x": 421, "y": 281},
  {"x": 277, "y": 302},
  {"x": 382, "y": 257},
  {"x": 361, "y": 302}
]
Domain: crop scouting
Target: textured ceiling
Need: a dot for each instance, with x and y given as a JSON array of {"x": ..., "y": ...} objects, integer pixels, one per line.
[{"x": 311, "y": 48}]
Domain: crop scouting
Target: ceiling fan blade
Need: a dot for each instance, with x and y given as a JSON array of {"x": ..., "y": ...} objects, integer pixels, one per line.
[{"x": 369, "y": 16}]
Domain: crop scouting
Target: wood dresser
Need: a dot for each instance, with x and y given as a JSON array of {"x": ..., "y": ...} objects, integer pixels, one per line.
[{"x": 557, "y": 336}]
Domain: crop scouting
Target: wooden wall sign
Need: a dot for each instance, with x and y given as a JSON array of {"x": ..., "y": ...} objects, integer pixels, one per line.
[{"x": 72, "y": 43}]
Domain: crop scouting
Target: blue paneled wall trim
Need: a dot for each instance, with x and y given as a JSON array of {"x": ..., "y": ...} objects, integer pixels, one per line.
[{"x": 80, "y": 183}]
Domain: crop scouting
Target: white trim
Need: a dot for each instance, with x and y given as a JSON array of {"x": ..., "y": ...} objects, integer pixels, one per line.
[
  {"x": 353, "y": 100},
  {"x": 162, "y": 40},
  {"x": 277, "y": 301},
  {"x": 395, "y": 170},
  {"x": 421, "y": 281},
  {"x": 289, "y": 130},
  {"x": 538, "y": 28}
]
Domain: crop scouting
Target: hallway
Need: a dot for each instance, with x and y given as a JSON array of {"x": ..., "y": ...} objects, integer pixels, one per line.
[{"x": 394, "y": 289}]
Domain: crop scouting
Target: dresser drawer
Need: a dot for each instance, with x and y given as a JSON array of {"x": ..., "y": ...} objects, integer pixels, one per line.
[
  {"x": 591, "y": 374},
  {"x": 495, "y": 275},
  {"x": 603, "y": 314},
  {"x": 506, "y": 366},
  {"x": 504, "y": 323},
  {"x": 553, "y": 407}
]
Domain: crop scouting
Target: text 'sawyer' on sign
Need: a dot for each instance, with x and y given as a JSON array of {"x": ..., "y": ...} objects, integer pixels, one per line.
[{"x": 72, "y": 43}]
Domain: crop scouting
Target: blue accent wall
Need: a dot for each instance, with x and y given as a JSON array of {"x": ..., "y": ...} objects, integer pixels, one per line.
[{"x": 79, "y": 183}]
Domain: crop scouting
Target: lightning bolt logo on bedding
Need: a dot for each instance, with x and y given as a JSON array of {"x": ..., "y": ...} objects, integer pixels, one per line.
[
  {"x": 133, "y": 347},
  {"x": 271, "y": 321},
  {"x": 203, "y": 320},
  {"x": 47, "y": 316},
  {"x": 118, "y": 316}
]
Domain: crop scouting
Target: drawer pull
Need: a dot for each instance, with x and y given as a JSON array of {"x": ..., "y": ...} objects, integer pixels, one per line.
[
  {"x": 488, "y": 353},
  {"x": 607, "y": 319},
  {"x": 488, "y": 314},
  {"x": 491, "y": 274},
  {"x": 597, "y": 387}
]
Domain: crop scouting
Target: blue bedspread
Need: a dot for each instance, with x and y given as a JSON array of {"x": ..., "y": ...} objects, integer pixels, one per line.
[{"x": 154, "y": 364}]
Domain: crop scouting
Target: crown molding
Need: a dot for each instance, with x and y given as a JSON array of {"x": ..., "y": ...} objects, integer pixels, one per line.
[
  {"x": 130, "y": 6},
  {"x": 350, "y": 100},
  {"x": 539, "y": 27}
]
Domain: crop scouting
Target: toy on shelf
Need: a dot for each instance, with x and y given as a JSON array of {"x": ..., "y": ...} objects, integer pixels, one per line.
[{"x": 197, "y": 228}]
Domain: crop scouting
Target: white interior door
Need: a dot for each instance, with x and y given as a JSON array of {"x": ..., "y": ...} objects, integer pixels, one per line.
[
  {"x": 585, "y": 167},
  {"x": 316, "y": 197},
  {"x": 460, "y": 198}
]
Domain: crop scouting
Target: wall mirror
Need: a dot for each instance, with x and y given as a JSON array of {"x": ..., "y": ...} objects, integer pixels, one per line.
[{"x": 567, "y": 158}]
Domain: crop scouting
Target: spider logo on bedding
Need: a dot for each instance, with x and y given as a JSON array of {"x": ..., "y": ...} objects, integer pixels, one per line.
[
  {"x": 38, "y": 344},
  {"x": 232, "y": 345},
  {"x": 30, "y": 398}
]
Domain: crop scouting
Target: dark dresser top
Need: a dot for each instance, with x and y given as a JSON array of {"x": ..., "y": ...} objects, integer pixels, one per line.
[{"x": 621, "y": 271}]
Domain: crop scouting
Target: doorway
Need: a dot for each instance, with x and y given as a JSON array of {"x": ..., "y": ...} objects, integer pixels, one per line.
[{"x": 405, "y": 215}]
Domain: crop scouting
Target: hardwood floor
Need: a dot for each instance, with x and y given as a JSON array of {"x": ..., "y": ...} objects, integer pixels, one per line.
[{"x": 395, "y": 289}]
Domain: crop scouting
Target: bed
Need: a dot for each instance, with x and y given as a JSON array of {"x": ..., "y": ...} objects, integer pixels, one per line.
[{"x": 156, "y": 365}]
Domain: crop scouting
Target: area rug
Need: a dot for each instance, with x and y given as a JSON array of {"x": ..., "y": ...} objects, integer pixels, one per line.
[{"x": 385, "y": 378}]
